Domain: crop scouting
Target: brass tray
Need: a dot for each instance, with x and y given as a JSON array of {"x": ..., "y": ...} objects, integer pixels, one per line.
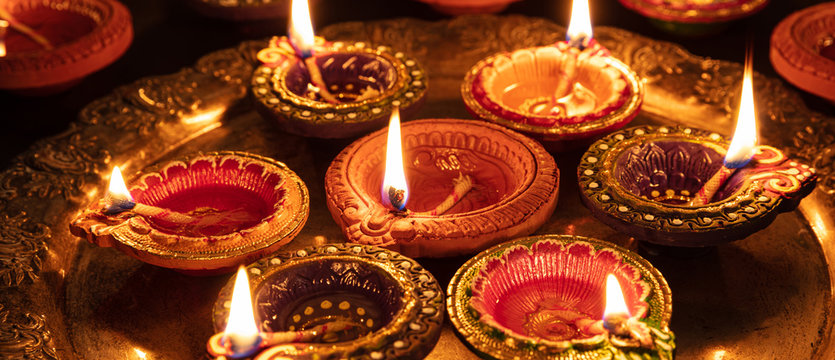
[{"x": 768, "y": 296}]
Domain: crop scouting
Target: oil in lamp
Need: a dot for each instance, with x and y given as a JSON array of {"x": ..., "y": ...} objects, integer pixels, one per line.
[
  {"x": 201, "y": 214},
  {"x": 677, "y": 186},
  {"x": 558, "y": 296},
  {"x": 315, "y": 88},
  {"x": 443, "y": 187},
  {"x": 564, "y": 94}
]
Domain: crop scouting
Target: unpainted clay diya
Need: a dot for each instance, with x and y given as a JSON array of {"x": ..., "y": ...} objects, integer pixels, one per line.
[
  {"x": 51, "y": 45},
  {"x": 340, "y": 301},
  {"x": 465, "y": 7},
  {"x": 694, "y": 17},
  {"x": 641, "y": 181},
  {"x": 204, "y": 214},
  {"x": 803, "y": 49},
  {"x": 558, "y": 94},
  {"x": 511, "y": 182},
  {"x": 547, "y": 297},
  {"x": 365, "y": 82}
]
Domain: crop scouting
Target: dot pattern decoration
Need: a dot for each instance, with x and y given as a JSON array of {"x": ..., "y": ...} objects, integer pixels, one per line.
[
  {"x": 396, "y": 309},
  {"x": 640, "y": 180}
]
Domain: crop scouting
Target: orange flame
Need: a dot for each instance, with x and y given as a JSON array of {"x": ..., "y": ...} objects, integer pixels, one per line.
[
  {"x": 615, "y": 302},
  {"x": 301, "y": 28},
  {"x": 395, "y": 192},
  {"x": 117, "y": 188},
  {"x": 579, "y": 27},
  {"x": 241, "y": 330},
  {"x": 744, "y": 141}
]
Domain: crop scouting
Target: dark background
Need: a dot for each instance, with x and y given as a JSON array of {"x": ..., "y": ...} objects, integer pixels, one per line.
[{"x": 169, "y": 35}]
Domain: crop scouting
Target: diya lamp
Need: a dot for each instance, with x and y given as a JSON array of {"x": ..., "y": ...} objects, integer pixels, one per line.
[
  {"x": 68, "y": 43},
  {"x": 560, "y": 297},
  {"x": 331, "y": 301},
  {"x": 200, "y": 215},
  {"x": 322, "y": 89},
  {"x": 803, "y": 50},
  {"x": 563, "y": 95},
  {"x": 241, "y": 10},
  {"x": 453, "y": 187},
  {"x": 687, "y": 187},
  {"x": 694, "y": 17},
  {"x": 465, "y": 7}
]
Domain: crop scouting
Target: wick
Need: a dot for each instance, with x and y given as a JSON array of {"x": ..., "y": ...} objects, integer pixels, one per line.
[
  {"x": 24, "y": 29},
  {"x": 316, "y": 79},
  {"x": 712, "y": 186},
  {"x": 462, "y": 185},
  {"x": 624, "y": 326},
  {"x": 219, "y": 345},
  {"x": 116, "y": 204}
]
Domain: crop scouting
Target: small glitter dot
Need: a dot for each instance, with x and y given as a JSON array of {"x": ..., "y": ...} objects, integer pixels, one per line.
[
  {"x": 297, "y": 317},
  {"x": 360, "y": 311},
  {"x": 398, "y": 55},
  {"x": 359, "y": 45},
  {"x": 331, "y": 249},
  {"x": 588, "y": 172},
  {"x": 273, "y": 100},
  {"x": 275, "y": 261},
  {"x": 603, "y": 147},
  {"x": 301, "y": 253},
  {"x": 714, "y": 136},
  {"x": 396, "y": 102},
  {"x": 763, "y": 198},
  {"x": 623, "y": 208},
  {"x": 732, "y": 216},
  {"x": 369, "y": 323},
  {"x": 677, "y": 222},
  {"x": 685, "y": 193},
  {"x": 687, "y": 131},
  {"x": 793, "y": 171},
  {"x": 428, "y": 310},
  {"x": 429, "y": 293},
  {"x": 398, "y": 344},
  {"x": 261, "y": 80},
  {"x": 306, "y": 113},
  {"x": 804, "y": 166},
  {"x": 227, "y": 304},
  {"x": 415, "y": 72},
  {"x": 405, "y": 264},
  {"x": 376, "y": 110},
  {"x": 707, "y": 220},
  {"x": 593, "y": 185},
  {"x": 414, "y": 326},
  {"x": 619, "y": 136},
  {"x": 807, "y": 174},
  {"x": 649, "y": 217},
  {"x": 750, "y": 210},
  {"x": 376, "y": 355},
  {"x": 591, "y": 159},
  {"x": 410, "y": 94},
  {"x": 417, "y": 83},
  {"x": 285, "y": 108},
  {"x": 670, "y": 192},
  {"x": 383, "y": 255},
  {"x": 262, "y": 91},
  {"x": 344, "y": 305},
  {"x": 800, "y": 177},
  {"x": 639, "y": 132},
  {"x": 255, "y": 271},
  {"x": 423, "y": 278},
  {"x": 410, "y": 63},
  {"x": 352, "y": 115},
  {"x": 792, "y": 163},
  {"x": 329, "y": 116},
  {"x": 812, "y": 170},
  {"x": 605, "y": 197},
  {"x": 663, "y": 130},
  {"x": 326, "y": 304},
  {"x": 308, "y": 310},
  {"x": 655, "y": 193},
  {"x": 356, "y": 249}
]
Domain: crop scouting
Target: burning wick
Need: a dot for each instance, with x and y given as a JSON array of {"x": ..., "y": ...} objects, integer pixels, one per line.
[
  {"x": 118, "y": 200},
  {"x": 395, "y": 191},
  {"x": 579, "y": 33},
  {"x": 8, "y": 19},
  {"x": 241, "y": 338},
  {"x": 616, "y": 317},
  {"x": 743, "y": 145},
  {"x": 300, "y": 32}
]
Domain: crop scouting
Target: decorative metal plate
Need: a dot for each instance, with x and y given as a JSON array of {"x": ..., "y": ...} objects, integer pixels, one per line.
[{"x": 768, "y": 296}]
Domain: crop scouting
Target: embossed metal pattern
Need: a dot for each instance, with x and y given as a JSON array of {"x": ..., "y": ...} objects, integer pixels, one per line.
[
  {"x": 411, "y": 333},
  {"x": 117, "y": 129},
  {"x": 691, "y": 11},
  {"x": 495, "y": 343}
]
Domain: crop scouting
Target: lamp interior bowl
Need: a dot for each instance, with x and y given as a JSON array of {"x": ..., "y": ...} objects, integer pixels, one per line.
[
  {"x": 552, "y": 291},
  {"x": 317, "y": 292},
  {"x": 59, "y": 25},
  {"x": 431, "y": 165},
  {"x": 670, "y": 172},
  {"x": 348, "y": 76},
  {"x": 226, "y": 194}
]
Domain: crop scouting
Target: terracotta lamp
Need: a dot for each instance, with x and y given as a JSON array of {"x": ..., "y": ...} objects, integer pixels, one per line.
[
  {"x": 200, "y": 215},
  {"x": 332, "y": 301},
  {"x": 690, "y": 187},
  {"x": 467, "y": 185},
  {"x": 694, "y": 17},
  {"x": 561, "y": 297},
  {"x": 563, "y": 95},
  {"x": 803, "y": 50},
  {"x": 315, "y": 88},
  {"x": 465, "y": 7},
  {"x": 48, "y": 46}
]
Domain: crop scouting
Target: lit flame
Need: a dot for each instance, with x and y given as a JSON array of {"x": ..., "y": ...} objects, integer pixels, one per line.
[
  {"x": 300, "y": 28},
  {"x": 241, "y": 330},
  {"x": 140, "y": 354},
  {"x": 395, "y": 192},
  {"x": 615, "y": 303},
  {"x": 744, "y": 141},
  {"x": 117, "y": 188},
  {"x": 4, "y": 27},
  {"x": 579, "y": 27}
]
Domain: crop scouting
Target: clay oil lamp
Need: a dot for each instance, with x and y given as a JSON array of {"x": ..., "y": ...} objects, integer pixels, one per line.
[
  {"x": 689, "y": 187},
  {"x": 803, "y": 50},
  {"x": 456, "y": 187},
  {"x": 47, "y": 46},
  {"x": 694, "y": 17},
  {"x": 200, "y": 215},
  {"x": 465, "y": 7},
  {"x": 561, "y": 297},
  {"x": 563, "y": 95},
  {"x": 322, "y": 89},
  {"x": 241, "y": 10},
  {"x": 332, "y": 301}
]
